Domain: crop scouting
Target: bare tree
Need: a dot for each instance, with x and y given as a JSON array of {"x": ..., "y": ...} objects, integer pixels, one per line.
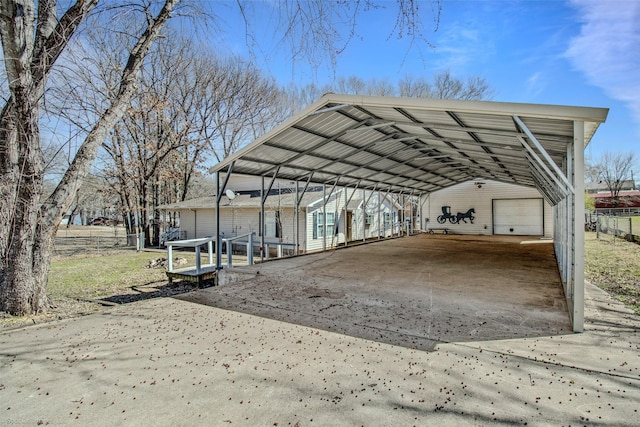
[
  {"x": 614, "y": 169},
  {"x": 187, "y": 106},
  {"x": 244, "y": 107},
  {"x": 295, "y": 98},
  {"x": 32, "y": 42},
  {"x": 315, "y": 29},
  {"x": 447, "y": 86},
  {"x": 444, "y": 86},
  {"x": 353, "y": 85},
  {"x": 414, "y": 87},
  {"x": 591, "y": 171},
  {"x": 94, "y": 198}
]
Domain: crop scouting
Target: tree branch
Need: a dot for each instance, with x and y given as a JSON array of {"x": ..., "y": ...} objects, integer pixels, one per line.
[{"x": 62, "y": 196}]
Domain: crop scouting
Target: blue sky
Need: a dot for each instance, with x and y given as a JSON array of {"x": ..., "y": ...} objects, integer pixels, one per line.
[{"x": 579, "y": 52}]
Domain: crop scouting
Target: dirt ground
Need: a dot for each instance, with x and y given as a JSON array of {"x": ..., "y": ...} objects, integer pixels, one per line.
[{"x": 416, "y": 292}]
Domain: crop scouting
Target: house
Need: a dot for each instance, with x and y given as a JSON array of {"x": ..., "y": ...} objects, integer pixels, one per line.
[
  {"x": 604, "y": 201},
  {"x": 317, "y": 225},
  {"x": 349, "y": 215},
  {"x": 241, "y": 214},
  {"x": 329, "y": 217},
  {"x": 601, "y": 186}
]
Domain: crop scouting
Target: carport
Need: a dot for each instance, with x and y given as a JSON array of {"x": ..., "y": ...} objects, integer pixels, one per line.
[{"x": 411, "y": 147}]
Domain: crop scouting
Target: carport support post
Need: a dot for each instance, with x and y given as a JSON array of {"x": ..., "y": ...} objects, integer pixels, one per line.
[
  {"x": 364, "y": 215},
  {"x": 324, "y": 217},
  {"x": 298, "y": 201},
  {"x": 379, "y": 210},
  {"x": 391, "y": 204},
  {"x": 402, "y": 223},
  {"x": 262, "y": 227},
  {"x": 420, "y": 210},
  {"x": 344, "y": 217},
  {"x": 218, "y": 240},
  {"x": 578, "y": 216},
  {"x": 296, "y": 218}
]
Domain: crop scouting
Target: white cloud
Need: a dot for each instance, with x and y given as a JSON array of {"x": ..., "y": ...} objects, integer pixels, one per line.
[
  {"x": 607, "y": 50},
  {"x": 535, "y": 84},
  {"x": 460, "y": 46}
]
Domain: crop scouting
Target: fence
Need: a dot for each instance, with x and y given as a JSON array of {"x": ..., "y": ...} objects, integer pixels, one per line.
[
  {"x": 66, "y": 246},
  {"x": 618, "y": 211},
  {"x": 616, "y": 226}
]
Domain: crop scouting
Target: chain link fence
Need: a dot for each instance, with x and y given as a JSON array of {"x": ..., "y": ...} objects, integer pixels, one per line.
[
  {"x": 67, "y": 246},
  {"x": 614, "y": 226}
]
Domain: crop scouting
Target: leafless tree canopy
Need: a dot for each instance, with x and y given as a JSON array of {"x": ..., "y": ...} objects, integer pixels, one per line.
[
  {"x": 99, "y": 90},
  {"x": 32, "y": 42},
  {"x": 443, "y": 85},
  {"x": 315, "y": 30},
  {"x": 614, "y": 168}
]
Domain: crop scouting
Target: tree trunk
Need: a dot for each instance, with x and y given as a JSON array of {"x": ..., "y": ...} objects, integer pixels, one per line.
[
  {"x": 29, "y": 226},
  {"x": 156, "y": 214},
  {"x": 22, "y": 286},
  {"x": 72, "y": 215}
]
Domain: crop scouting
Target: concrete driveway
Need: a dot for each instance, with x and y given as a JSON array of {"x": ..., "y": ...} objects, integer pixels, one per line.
[
  {"x": 171, "y": 362},
  {"x": 414, "y": 292}
]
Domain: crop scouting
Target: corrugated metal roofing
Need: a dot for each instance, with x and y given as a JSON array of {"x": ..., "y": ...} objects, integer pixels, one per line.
[
  {"x": 245, "y": 200},
  {"x": 411, "y": 145}
]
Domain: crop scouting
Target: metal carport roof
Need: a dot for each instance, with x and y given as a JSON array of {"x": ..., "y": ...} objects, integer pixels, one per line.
[{"x": 417, "y": 145}]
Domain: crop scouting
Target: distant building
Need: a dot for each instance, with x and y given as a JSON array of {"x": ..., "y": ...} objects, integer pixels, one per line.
[
  {"x": 626, "y": 200},
  {"x": 601, "y": 186}
]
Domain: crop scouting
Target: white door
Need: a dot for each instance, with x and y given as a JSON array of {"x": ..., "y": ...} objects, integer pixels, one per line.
[
  {"x": 518, "y": 217},
  {"x": 270, "y": 224}
]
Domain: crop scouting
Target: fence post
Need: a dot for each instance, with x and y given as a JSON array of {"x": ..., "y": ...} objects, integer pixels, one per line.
[
  {"x": 140, "y": 242},
  {"x": 229, "y": 252},
  {"x": 250, "y": 250}
]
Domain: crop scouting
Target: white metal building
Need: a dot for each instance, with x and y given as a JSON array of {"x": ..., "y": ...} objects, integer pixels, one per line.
[
  {"x": 414, "y": 147},
  {"x": 499, "y": 208}
]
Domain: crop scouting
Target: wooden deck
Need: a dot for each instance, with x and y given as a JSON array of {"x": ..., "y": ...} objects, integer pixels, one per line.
[{"x": 191, "y": 274}]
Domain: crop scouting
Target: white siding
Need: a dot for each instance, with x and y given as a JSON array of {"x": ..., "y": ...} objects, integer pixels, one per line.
[
  {"x": 197, "y": 223},
  {"x": 240, "y": 220},
  {"x": 359, "y": 228},
  {"x": 187, "y": 223},
  {"x": 467, "y": 195}
]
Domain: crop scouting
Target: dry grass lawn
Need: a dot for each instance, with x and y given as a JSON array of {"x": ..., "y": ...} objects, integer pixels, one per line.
[
  {"x": 77, "y": 282},
  {"x": 614, "y": 265}
]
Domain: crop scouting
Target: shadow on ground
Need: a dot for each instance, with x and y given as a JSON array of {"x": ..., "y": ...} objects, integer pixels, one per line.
[
  {"x": 152, "y": 290},
  {"x": 414, "y": 292}
]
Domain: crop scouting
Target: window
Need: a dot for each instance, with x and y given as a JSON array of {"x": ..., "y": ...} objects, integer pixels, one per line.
[
  {"x": 331, "y": 222},
  {"x": 369, "y": 219},
  {"x": 320, "y": 228},
  {"x": 320, "y": 231}
]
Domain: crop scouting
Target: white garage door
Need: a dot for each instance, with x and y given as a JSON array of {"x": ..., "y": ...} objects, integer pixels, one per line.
[{"x": 518, "y": 216}]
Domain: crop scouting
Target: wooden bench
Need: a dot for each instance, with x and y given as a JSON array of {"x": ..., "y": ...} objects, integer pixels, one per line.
[
  {"x": 444, "y": 230},
  {"x": 201, "y": 273},
  {"x": 205, "y": 276}
]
